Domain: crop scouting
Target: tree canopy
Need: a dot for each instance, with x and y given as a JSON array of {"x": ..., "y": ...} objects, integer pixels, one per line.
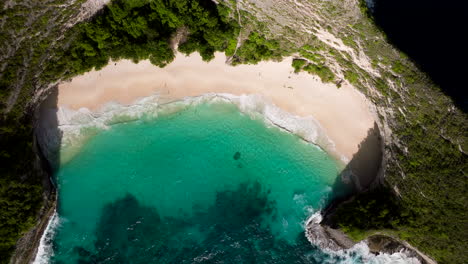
[{"x": 142, "y": 29}]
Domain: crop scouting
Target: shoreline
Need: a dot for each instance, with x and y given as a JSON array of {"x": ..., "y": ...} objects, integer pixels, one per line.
[
  {"x": 381, "y": 247},
  {"x": 340, "y": 117},
  {"x": 75, "y": 125},
  {"x": 344, "y": 113}
]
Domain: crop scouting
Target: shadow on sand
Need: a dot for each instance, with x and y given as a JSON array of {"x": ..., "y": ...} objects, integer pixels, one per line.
[
  {"x": 363, "y": 169},
  {"x": 362, "y": 173},
  {"x": 48, "y": 134}
]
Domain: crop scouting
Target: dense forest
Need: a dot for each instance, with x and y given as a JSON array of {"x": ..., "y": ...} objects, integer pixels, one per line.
[
  {"x": 136, "y": 30},
  {"x": 141, "y": 29},
  {"x": 424, "y": 196},
  {"x": 431, "y": 210}
]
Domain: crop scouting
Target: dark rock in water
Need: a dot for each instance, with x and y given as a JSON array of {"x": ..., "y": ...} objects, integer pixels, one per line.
[
  {"x": 82, "y": 252},
  {"x": 237, "y": 155}
]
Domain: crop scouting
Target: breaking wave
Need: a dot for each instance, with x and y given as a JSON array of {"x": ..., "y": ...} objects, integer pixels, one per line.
[
  {"x": 45, "y": 250},
  {"x": 77, "y": 126},
  {"x": 359, "y": 253},
  {"x": 80, "y": 125}
]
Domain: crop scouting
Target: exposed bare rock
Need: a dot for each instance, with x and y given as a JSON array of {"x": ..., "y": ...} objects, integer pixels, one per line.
[
  {"x": 325, "y": 236},
  {"x": 88, "y": 9},
  {"x": 390, "y": 245},
  {"x": 27, "y": 245},
  {"x": 43, "y": 22}
]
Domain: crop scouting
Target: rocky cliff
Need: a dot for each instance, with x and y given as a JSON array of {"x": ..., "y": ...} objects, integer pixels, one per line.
[
  {"x": 421, "y": 182},
  {"x": 424, "y": 162},
  {"x": 30, "y": 33}
]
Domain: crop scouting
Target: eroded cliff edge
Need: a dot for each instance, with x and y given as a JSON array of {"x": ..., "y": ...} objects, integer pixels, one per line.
[
  {"x": 424, "y": 134},
  {"x": 31, "y": 32},
  {"x": 365, "y": 172}
]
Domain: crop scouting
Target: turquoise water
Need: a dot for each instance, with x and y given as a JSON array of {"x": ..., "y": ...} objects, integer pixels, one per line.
[{"x": 206, "y": 184}]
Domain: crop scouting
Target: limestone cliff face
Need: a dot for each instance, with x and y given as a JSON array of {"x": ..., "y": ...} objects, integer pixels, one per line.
[
  {"x": 348, "y": 41},
  {"x": 29, "y": 32},
  {"x": 27, "y": 24},
  {"x": 424, "y": 134},
  {"x": 421, "y": 129},
  {"x": 27, "y": 245},
  {"x": 326, "y": 26}
]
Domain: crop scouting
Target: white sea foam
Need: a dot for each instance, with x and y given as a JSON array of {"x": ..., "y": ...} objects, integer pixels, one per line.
[
  {"x": 359, "y": 251},
  {"x": 315, "y": 218},
  {"x": 77, "y": 126},
  {"x": 45, "y": 250}
]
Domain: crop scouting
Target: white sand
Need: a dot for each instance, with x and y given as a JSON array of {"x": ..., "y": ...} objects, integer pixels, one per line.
[{"x": 345, "y": 114}]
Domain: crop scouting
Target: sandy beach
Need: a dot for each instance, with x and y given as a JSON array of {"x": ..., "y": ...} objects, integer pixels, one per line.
[{"x": 344, "y": 113}]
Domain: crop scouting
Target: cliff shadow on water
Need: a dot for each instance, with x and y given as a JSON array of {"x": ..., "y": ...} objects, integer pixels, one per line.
[
  {"x": 47, "y": 143},
  {"x": 432, "y": 34},
  {"x": 362, "y": 173},
  {"x": 48, "y": 134},
  {"x": 235, "y": 213},
  {"x": 232, "y": 230}
]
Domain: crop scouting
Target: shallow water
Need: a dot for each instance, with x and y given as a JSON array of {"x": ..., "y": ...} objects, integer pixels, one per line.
[{"x": 206, "y": 184}]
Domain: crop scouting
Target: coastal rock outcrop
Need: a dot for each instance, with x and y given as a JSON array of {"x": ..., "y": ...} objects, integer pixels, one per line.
[
  {"x": 321, "y": 234},
  {"x": 387, "y": 244},
  {"x": 423, "y": 135}
]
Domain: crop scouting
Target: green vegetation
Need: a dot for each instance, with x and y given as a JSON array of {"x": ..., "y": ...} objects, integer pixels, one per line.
[
  {"x": 352, "y": 77},
  {"x": 124, "y": 29},
  {"x": 322, "y": 71},
  {"x": 424, "y": 198},
  {"x": 348, "y": 41},
  {"x": 27, "y": 35},
  {"x": 383, "y": 208},
  {"x": 257, "y": 48},
  {"x": 312, "y": 53},
  {"x": 298, "y": 64},
  {"x": 313, "y": 62},
  {"x": 20, "y": 197},
  {"x": 139, "y": 30},
  {"x": 408, "y": 74},
  {"x": 134, "y": 30}
]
